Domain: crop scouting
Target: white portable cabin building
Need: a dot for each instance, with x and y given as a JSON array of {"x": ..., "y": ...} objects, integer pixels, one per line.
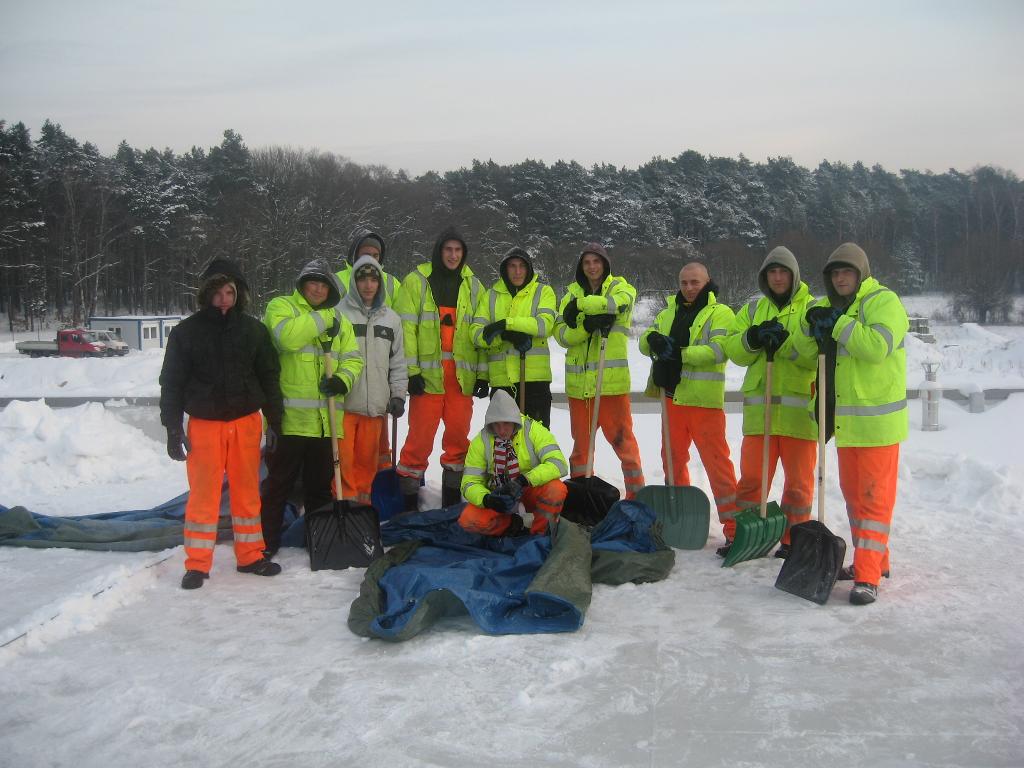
[{"x": 138, "y": 331}]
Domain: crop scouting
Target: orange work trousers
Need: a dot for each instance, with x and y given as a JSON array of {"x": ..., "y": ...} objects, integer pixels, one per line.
[
  {"x": 616, "y": 422},
  {"x": 219, "y": 447},
  {"x": 544, "y": 502},
  {"x": 425, "y": 414},
  {"x": 867, "y": 477},
  {"x": 799, "y": 457},
  {"x": 357, "y": 451},
  {"x": 705, "y": 428}
]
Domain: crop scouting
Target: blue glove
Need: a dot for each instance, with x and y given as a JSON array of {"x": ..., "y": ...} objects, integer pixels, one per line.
[
  {"x": 513, "y": 488},
  {"x": 821, "y": 321},
  {"x": 177, "y": 444},
  {"x": 493, "y": 330},
  {"x": 333, "y": 386},
  {"x": 500, "y": 503},
  {"x": 522, "y": 342},
  {"x": 768, "y": 335},
  {"x": 662, "y": 347}
]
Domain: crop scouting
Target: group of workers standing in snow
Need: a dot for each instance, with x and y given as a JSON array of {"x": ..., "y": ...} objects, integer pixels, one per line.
[{"x": 440, "y": 338}]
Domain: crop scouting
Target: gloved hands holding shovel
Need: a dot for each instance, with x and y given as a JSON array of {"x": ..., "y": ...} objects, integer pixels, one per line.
[
  {"x": 768, "y": 336},
  {"x": 662, "y": 347},
  {"x": 522, "y": 342}
]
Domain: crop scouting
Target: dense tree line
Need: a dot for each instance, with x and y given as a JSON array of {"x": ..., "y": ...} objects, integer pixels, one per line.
[{"x": 82, "y": 233}]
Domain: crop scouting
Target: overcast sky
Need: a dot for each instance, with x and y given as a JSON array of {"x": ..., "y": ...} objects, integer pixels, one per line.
[{"x": 433, "y": 85}]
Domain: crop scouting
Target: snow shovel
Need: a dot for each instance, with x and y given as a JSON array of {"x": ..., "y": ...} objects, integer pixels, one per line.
[
  {"x": 385, "y": 493},
  {"x": 341, "y": 534},
  {"x": 683, "y": 510},
  {"x": 815, "y": 553},
  {"x": 589, "y": 497},
  {"x": 757, "y": 533}
]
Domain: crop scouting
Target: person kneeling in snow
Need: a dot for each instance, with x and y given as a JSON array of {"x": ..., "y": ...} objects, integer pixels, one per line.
[
  {"x": 221, "y": 368},
  {"x": 513, "y": 459}
]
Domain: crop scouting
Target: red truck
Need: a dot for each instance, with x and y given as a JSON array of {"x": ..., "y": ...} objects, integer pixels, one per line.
[{"x": 75, "y": 342}]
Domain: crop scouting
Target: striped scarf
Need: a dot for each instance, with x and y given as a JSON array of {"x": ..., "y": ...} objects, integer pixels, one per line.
[{"x": 506, "y": 463}]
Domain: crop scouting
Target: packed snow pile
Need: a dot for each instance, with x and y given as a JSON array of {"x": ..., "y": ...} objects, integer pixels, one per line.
[{"x": 44, "y": 452}]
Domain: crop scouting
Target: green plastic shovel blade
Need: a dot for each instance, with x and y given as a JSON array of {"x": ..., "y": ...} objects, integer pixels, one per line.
[
  {"x": 756, "y": 536},
  {"x": 683, "y": 511}
]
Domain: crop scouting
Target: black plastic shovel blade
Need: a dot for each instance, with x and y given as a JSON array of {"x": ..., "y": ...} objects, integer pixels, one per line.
[
  {"x": 342, "y": 535},
  {"x": 815, "y": 557},
  {"x": 588, "y": 500},
  {"x": 683, "y": 511}
]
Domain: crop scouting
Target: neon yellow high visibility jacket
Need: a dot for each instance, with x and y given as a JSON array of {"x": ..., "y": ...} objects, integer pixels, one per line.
[
  {"x": 421, "y": 324},
  {"x": 792, "y": 372},
  {"x": 298, "y": 332},
  {"x": 702, "y": 378},
  {"x": 540, "y": 459},
  {"x": 531, "y": 311},
  {"x": 583, "y": 349},
  {"x": 871, "y": 367}
]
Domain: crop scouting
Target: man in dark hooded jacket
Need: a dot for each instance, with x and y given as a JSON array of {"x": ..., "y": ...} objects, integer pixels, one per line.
[
  {"x": 513, "y": 322},
  {"x": 220, "y": 367},
  {"x": 436, "y": 304}
]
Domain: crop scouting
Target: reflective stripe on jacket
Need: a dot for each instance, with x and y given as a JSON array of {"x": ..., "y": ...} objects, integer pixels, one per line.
[
  {"x": 701, "y": 383},
  {"x": 531, "y": 311},
  {"x": 540, "y": 459},
  {"x": 871, "y": 368},
  {"x": 298, "y": 330},
  {"x": 421, "y": 325},
  {"x": 792, "y": 372},
  {"x": 583, "y": 349}
]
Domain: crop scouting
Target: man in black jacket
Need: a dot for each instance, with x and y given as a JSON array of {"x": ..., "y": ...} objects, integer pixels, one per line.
[{"x": 220, "y": 367}]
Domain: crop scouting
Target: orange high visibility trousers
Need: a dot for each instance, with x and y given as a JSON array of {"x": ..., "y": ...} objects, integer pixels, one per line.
[
  {"x": 357, "y": 451},
  {"x": 799, "y": 458},
  {"x": 425, "y": 414},
  {"x": 705, "y": 428},
  {"x": 867, "y": 477},
  {"x": 616, "y": 422},
  {"x": 218, "y": 447},
  {"x": 544, "y": 502}
]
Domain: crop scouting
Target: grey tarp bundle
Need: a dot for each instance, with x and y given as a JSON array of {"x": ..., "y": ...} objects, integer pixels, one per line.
[{"x": 507, "y": 585}]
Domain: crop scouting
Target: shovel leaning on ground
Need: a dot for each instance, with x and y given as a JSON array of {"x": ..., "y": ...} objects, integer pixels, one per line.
[
  {"x": 590, "y": 497},
  {"x": 815, "y": 553},
  {"x": 341, "y": 534},
  {"x": 684, "y": 511},
  {"x": 758, "y": 532}
]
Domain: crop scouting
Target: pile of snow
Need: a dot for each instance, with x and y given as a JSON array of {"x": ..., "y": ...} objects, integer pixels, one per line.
[{"x": 47, "y": 456}]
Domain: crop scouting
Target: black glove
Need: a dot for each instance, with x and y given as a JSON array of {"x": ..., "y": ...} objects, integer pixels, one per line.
[
  {"x": 521, "y": 341},
  {"x": 500, "y": 503},
  {"x": 178, "y": 445},
  {"x": 662, "y": 346},
  {"x": 513, "y": 488},
  {"x": 396, "y": 406},
  {"x": 333, "y": 386},
  {"x": 493, "y": 330},
  {"x": 481, "y": 389},
  {"x": 821, "y": 321},
  {"x": 571, "y": 314},
  {"x": 602, "y": 323},
  {"x": 334, "y": 329},
  {"x": 447, "y": 320},
  {"x": 417, "y": 386},
  {"x": 753, "y": 337},
  {"x": 270, "y": 439},
  {"x": 772, "y": 335}
]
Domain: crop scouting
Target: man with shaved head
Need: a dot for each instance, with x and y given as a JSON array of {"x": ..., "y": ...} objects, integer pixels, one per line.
[{"x": 688, "y": 370}]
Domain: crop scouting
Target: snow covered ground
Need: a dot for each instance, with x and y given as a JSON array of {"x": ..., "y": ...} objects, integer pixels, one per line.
[{"x": 105, "y": 661}]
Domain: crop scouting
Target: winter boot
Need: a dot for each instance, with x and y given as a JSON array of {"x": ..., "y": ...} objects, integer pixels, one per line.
[
  {"x": 782, "y": 552},
  {"x": 846, "y": 574},
  {"x": 193, "y": 579},
  {"x": 724, "y": 550},
  {"x": 863, "y": 593},
  {"x": 451, "y": 487},
  {"x": 410, "y": 490},
  {"x": 261, "y": 567}
]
